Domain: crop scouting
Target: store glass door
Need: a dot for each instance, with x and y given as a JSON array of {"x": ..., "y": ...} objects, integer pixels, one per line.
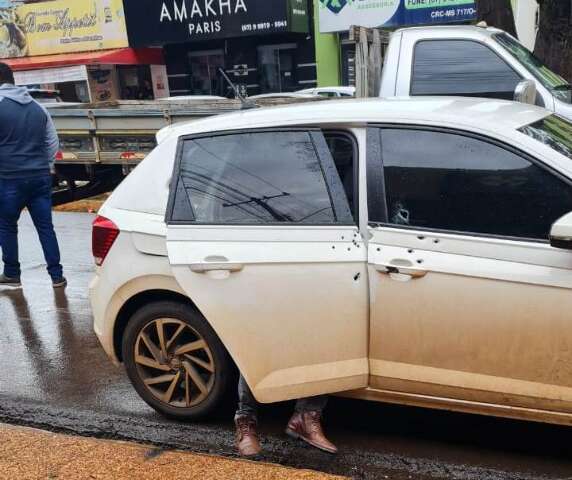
[
  {"x": 277, "y": 65},
  {"x": 205, "y": 78}
]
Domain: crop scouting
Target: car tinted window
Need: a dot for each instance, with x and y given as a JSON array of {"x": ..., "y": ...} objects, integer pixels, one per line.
[
  {"x": 253, "y": 178},
  {"x": 553, "y": 131},
  {"x": 461, "y": 67},
  {"x": 453, "y": 182}
]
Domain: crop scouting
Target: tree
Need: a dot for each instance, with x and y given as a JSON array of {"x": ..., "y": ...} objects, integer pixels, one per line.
[
  {"x": 497, "y": 13},
  {"x": 554, "y": 42}
]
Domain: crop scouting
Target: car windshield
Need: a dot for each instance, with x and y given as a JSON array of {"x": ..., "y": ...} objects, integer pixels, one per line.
[
  {"x": 555, "y": 83},
  {"x": 554, "y": 132}
]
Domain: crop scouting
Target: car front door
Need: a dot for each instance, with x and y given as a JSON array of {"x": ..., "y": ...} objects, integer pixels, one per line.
[
  {"x": 261, "y": 238},
  {"x": 469, "y": 302}
]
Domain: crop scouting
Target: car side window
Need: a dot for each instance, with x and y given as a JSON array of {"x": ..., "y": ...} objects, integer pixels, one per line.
[
  {"x": 256, "y": 178},
  {"x": 458, "y": 183},
  {"x": 461, "y": 67}
]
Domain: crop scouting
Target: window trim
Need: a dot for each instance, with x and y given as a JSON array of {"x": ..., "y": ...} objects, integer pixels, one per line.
[
  {"x": 376, "y": 198},
  {"x": 472, "y": 40},
  {"x": 464, "y": 133},
  {"x": 332, "y": 179},
  {"x": 173, "y": 187},
  {"x": 356, "y": 150},
  {"x": 325, "y": 159}
]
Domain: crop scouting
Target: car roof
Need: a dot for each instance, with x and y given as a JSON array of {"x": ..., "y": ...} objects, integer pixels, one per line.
[
  {"x": 452, "y": 29},
  {"x": 469, "y": 113}
]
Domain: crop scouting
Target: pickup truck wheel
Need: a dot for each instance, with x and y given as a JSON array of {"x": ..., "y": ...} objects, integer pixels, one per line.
[{"x": 175, "y": 361}]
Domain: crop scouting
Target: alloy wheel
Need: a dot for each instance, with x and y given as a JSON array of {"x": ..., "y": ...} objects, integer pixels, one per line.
[{"x": 175, "y": 362}]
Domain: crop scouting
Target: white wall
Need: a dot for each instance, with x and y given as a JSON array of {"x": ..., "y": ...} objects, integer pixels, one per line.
[{"x": 525, "y": 15}]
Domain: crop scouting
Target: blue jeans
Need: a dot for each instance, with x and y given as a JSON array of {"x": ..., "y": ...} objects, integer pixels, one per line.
[{"x": 35, "y": 194}]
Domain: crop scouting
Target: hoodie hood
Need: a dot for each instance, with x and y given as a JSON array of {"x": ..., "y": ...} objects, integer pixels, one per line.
[{"x": 17, "y": 94}]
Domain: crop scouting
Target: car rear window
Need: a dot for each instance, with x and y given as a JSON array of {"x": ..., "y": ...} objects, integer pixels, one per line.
[
  {"x": 253, "y": 178},
  {"x": 553, "y": 131}
]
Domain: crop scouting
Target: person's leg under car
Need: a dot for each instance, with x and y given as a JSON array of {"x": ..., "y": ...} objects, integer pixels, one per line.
[
  {"x": 306, "y": 423},
  {"x": 246, "y": 420},
  {"x": 312, "y": 404},
  {"x": 247, "y": 404}
]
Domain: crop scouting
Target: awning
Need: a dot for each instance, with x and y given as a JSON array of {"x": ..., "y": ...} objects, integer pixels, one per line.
[{"x": 122, "y": 56}]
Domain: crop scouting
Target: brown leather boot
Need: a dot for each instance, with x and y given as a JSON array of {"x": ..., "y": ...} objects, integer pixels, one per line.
[
  {"x": 307, "y": 426},
  {"x": 246, "y": 437}
]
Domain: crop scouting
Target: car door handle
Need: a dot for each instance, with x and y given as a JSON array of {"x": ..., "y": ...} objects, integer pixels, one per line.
[
  {"x": 412, "y": 273},
  {"x": 216, "y": 267},
  {"x": 216, "y": 264}
]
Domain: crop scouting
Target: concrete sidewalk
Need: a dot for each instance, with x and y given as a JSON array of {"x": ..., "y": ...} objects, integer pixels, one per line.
[{"x": 27, "y": 453}]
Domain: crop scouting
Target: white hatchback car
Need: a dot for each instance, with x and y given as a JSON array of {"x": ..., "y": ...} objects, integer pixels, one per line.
[{"x": 392, "y": 250}]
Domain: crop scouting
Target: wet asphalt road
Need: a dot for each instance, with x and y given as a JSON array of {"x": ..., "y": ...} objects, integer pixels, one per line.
[{"x": 55, "y": 376}]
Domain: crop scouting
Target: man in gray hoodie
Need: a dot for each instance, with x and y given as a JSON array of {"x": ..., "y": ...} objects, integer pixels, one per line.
[{"x": 28, "y": 147}]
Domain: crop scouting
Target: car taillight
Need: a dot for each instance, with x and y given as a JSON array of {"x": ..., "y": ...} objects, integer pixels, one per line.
[
  {"x": 132, "y": 156},
  {"x": 103, "y": 236},
  {"x": 59, "y": 155}
]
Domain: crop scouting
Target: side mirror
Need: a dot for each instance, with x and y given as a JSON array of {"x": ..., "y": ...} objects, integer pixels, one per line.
[
  {"x": 525, "y": 92},
  {"x": 561, "y": 232}
]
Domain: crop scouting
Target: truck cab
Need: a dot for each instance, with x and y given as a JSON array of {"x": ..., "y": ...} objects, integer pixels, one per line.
[{"x": 470, "y": 61}]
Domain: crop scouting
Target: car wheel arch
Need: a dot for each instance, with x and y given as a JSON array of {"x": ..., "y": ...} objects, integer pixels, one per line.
[
  {"x": 136, "y": 302},
  {"x": 149, "y": 309}
]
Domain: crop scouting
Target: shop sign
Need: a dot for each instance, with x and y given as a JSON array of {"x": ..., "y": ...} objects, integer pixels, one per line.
[
  {"x": 61, "y": 26},
  {"x": 156, "y": 22},
  {"x": 160, "y": 81},
  {"x": 51, "y": 75},
  {"x": 102, "y": 84},
  {"x": 340, "y": 15}
]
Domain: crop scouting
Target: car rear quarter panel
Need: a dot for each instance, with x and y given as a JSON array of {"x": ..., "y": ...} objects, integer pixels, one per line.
[{"x": 136, "y": 263}]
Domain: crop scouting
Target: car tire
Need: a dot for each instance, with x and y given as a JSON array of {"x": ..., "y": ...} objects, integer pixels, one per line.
[{"x": 142, "y": 343}]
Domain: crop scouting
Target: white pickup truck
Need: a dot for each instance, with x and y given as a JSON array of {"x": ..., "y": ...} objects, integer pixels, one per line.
[{"x": 469, "y": 61}]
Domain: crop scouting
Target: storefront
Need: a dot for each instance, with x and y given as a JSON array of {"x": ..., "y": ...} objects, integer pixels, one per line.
[
  {"x": 337, "y": 16},
  {"x": 96, "y": 76},
  {"x": 265, "y": 46},
  {"x": 79, "y": 48}
]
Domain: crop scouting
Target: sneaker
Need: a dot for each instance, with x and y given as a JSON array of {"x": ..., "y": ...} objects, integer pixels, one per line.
[
  {"x": 59, "y": 282},
  {"x": 9, "y": 282}
]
